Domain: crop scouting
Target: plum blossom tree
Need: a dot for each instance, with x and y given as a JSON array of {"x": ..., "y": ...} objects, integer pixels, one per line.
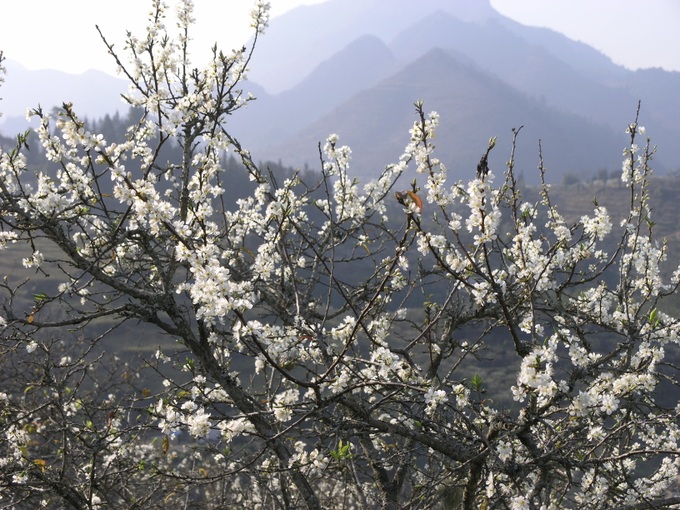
[{"x": 317, "y": 335}]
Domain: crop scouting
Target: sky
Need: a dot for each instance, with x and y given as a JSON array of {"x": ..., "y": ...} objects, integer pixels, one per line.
[{"x": 62, "y": 35}]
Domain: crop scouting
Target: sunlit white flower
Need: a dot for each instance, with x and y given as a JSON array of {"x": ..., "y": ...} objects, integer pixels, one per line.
[{"x": 433, "y": 399}]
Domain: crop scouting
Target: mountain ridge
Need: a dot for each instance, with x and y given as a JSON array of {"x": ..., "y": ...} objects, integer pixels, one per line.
[
  {"x": 565, "y": 77},
  {"x": 93, "y": 94},
  {"x": 389, "y": 104},
  {"x": 346, "y": 60},
  {"x": 325, "y": 28}
]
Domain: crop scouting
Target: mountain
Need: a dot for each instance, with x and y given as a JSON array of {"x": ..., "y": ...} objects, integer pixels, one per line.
[
  {"x": 473, "y": 106},
  {"x": 270, "y": 119},
  {"x": 355, "y": 67},
  {"x": 301, "y": 39},
  {"x": 503, "y": 49},
  {"x": 93, "y": 92},
  {"x": 659, "y": 92},
  {"x": 566, "y": 88}
]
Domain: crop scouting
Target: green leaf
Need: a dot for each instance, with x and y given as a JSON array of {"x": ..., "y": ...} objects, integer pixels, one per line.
[
  {"x": 343, "y": 451},
  {"x": 654, "y": 317},
  {"x": 40, "y": 296},
  {"x": 476, "y": 382}
]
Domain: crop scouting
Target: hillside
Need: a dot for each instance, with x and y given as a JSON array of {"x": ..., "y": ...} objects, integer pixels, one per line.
[
  {"x": 354, "y": 67},
  {"x": 473, "y": 106},
  {"x": 559, "y": 89},
  {"x": 92, "y": 93}
]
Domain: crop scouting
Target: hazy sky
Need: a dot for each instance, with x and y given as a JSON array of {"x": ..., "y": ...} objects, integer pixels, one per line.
[{"x": 62, "y": 35}]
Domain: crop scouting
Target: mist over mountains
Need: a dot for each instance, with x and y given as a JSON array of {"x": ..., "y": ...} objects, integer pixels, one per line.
[
  {"x": 355, "y": 67},
  {"x": 93, "y": 94}
]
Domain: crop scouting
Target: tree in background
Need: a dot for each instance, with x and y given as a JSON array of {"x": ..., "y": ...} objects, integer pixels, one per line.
[{"x": 318, "y": 345}]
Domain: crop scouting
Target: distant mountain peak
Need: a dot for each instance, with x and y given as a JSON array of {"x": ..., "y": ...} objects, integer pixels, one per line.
[
  {"x": 280, "y": 66},
  {"x": 93, "y": 93}
]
